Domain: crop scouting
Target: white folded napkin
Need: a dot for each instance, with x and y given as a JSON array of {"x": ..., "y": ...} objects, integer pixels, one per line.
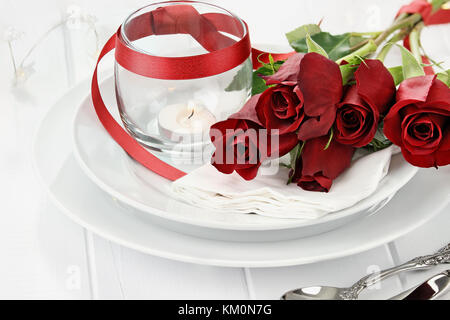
[{"x": 268, "y": 195}]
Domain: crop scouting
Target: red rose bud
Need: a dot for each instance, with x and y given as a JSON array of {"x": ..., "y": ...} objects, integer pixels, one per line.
[
  {"x": 320, "y": 82},
  {"x": 316, "y": 183},
  {"x": 317, "y": 168},
  {"x": 242, "y": 144},
  {"x": 281, "y": 108},
  {"x": 420, "y": 121},
  {"x": 359, "y": 113}
]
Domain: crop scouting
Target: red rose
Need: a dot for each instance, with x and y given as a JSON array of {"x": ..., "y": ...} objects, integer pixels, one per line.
[
  {"x": 420, "y": 121},
  {"x": 359, "y": 113},
  {"x": 317, "y": 168},
  {"x": 281, "y": 108},
  {"x": 242, "y": 143},
  {"x": 317, "y": 83}
]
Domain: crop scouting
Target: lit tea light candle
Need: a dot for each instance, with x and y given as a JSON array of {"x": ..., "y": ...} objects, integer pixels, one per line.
[{"x": 185, "y": 122}]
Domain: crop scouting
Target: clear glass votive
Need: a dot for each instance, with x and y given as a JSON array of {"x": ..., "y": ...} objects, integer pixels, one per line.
[{"x": 173, "y": 117}]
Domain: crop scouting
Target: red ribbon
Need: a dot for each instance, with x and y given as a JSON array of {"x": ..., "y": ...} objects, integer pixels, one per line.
[
  {"x": 224, "y": 54},
  {"x": 425, "y": 9}
]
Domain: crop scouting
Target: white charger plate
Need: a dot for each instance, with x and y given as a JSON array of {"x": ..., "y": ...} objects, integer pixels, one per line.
[
  {"x": 79, "y": 198},
  {"x": 109, "y": 167}
]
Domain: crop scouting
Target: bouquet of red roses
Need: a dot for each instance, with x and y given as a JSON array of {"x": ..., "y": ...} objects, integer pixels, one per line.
[{"x": 333, "y": 96}]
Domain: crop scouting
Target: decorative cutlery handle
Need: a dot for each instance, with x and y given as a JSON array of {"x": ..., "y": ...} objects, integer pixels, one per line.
[{"x": 441, "y": 257}]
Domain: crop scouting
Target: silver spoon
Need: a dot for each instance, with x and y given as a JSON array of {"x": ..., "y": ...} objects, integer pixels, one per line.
[{"x": 352, "y": 293}]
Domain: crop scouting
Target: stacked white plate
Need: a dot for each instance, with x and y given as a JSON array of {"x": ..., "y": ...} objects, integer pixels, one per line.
[{"x": 95, "y": 183}]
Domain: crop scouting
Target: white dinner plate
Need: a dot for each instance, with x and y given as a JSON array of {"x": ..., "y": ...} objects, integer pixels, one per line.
[
  {"x": 79, "y": 198},
  {"x": 108, "y": 166}
]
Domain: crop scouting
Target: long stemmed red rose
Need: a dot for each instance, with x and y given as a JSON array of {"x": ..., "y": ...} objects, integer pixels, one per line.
[{"x": 321, "y": 105}]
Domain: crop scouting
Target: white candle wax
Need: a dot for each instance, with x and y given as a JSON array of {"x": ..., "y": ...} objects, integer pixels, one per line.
[{"x": 185, "y": 122}]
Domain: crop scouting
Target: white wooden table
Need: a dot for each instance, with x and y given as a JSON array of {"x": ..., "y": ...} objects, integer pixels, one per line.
[{"x": 46, "y": 255}]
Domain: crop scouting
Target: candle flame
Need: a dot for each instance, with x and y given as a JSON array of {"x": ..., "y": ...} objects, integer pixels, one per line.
[{"x": 191, "y": 109}]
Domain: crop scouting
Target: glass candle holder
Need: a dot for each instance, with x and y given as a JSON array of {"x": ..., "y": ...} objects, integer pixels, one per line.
[{"x": 173, "y": 117}]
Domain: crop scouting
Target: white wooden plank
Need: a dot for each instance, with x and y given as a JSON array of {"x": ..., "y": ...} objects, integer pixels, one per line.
[
  {"x": 43, "y": 251},
  {"x": 272, "y": 283},
  {"x": 124, "y": 273}
]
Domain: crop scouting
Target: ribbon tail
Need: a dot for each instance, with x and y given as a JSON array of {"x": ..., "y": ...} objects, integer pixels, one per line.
[{"x": 126, "y": 141}]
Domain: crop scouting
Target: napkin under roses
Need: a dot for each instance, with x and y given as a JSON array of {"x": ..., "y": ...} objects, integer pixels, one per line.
[{"x": 268, "y": 195}]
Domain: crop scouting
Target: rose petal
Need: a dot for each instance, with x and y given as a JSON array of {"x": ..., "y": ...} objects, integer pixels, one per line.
[
  {"x": 317, "y": 183},
  {"x": 392, "y": 128},
  {"x": 443, "y": 154},
  {"x": 287, "y": 142},
  {"x": 375, "y": 84},
  {"x": 316, "y": 127},
  {"x": 219, "y": 129},
  {"x": 439, "y": 94},
  {"x": 331, "y": 162},
  {"x": 249, "y": 173},
  {"x": 424, "y": 161},
  {"x": 320, "y": 81},
  {"x": 442, "y": 158},
  {"x": 415, "y": 89},
  {"x": 288, "y": 72},
  {"x": 248, "y": 111},
  {"x": 445, "y": 143}
]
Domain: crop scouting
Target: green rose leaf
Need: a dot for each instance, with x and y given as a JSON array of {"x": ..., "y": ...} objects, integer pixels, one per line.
[
  {"x": 259, "y": 85},
  {"x": 444, "y": 77},
  {"x": 411, "y": 67},
  {"x": 347, "y": 71},
  {"x": 295, "y": 154},
  {"x": 314, "y": 47},
  {"x": 380, "y": 141},
  {"x": 301, "y": 32},
  {"x": 241, "y": 79},
  {"x": 397, "y": 74},
  {"x": 336, "y": 46}
]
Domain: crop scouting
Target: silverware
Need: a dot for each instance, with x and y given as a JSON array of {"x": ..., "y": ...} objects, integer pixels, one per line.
[
  {"x": 352, "y": 293},
  {"x": 429, "y": 290}
]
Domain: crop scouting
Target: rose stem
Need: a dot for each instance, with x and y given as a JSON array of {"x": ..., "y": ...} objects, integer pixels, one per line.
[
  {"x": 387, "y": 48},
  {"x": 403, "y": 21},
  {"x": 414, "y": 41},
  {"x": 400, "y": 23},
  {"x": 364, "y": 51},
  {"x": 362, "y": 34},
  {"x": 415, "y": 31}
]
